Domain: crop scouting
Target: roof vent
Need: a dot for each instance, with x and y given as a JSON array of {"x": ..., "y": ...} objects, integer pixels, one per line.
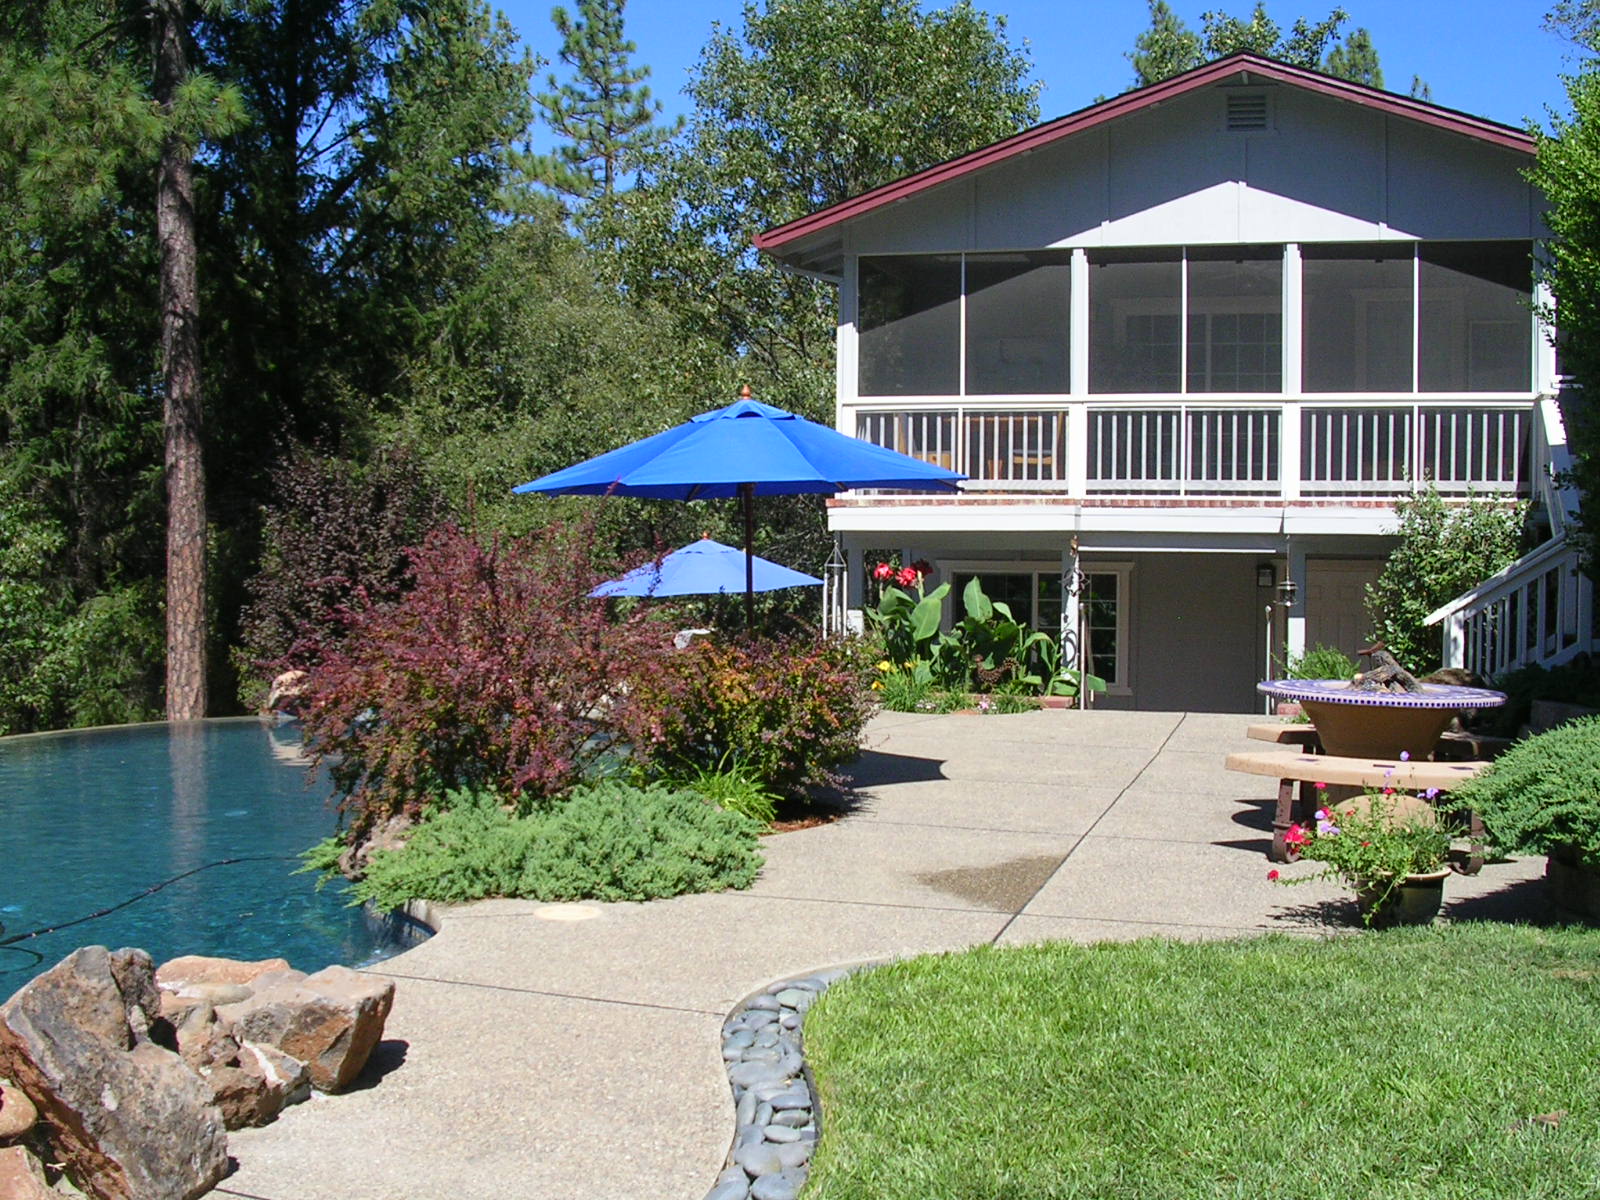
[{"x": 1247, "y": 112}]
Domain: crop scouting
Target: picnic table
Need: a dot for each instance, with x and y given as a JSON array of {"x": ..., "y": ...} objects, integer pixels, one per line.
[{"x": 1298, "y": 771}]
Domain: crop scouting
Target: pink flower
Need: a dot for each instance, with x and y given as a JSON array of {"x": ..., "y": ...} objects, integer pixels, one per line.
[
  {"x": 1321, "y": 787},
  {"x": 907, "y": 577},
  {"x": 1272, "y": 874},
  {"x": 883, "y": 571},
  {"x": 1296, "y": 835}
]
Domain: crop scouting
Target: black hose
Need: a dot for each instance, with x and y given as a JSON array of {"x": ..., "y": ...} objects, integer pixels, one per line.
[{"x": 10, "y": 942}]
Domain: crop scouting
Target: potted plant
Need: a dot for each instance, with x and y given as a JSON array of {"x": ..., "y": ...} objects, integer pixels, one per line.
[
  {"x": 1542, "y": 796},
  {"x": 1389, "y": 848}
]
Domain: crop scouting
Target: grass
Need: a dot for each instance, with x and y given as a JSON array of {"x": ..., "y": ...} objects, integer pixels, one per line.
[{"x": 1397, "y": 1066}]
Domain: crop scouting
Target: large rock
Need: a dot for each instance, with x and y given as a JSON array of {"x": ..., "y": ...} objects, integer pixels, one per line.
[
  {"x": 330, "y": 1020},
  {"x": 21, "y": 1176},
  {"x": 250, "y": 1083},
  {"x": 194, "y": 970},
  {"x": 124, "y": 1115},
  {"x": 17, "y": 1115}
]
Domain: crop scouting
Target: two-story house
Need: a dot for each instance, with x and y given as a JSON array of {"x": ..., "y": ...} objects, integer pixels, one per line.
[{"x": 1189, "y": 344}]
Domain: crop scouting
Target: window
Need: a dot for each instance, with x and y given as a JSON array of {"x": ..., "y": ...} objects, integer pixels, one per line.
[
  {"x": 1018, "y": 327},
  {"x": 1473, "y": 306},
  {"x": 910, "y": 326},
  {"x": 1102, "y": 610},
  {"x": 1034, "y": 597},
  {"x": 1356, "y": 318},
  {"x": 1135, "y": 321}
]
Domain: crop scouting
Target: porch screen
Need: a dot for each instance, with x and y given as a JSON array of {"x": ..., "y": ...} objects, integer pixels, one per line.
[
  {"x": 1476, "y": 317},
  {"x": 1235, "y": 319},
  {"x": 1018, "y": 323},
  {"x": 1357, "y": 318},
  {"x": 910, "y": 325},
  {"x": 1135, "y": 321}
]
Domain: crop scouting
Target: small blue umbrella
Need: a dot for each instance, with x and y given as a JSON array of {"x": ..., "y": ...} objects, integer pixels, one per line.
[
  {"x": 703, "y": 568},
  {"x": 746, "y": 449}
]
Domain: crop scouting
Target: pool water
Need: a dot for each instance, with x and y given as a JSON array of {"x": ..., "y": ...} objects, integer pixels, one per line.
[{"x": 92, "y": 819}]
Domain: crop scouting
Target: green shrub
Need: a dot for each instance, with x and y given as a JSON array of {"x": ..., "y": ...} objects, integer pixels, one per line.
[
  {"x": 789, "y": 710},
  {"x": 1543, "y": 794},
  {"x": 1576, "y": 682},
  {"x": 1320, "y": 662},
  {"x": 1445, "y": 549},
  {"x": 608, "y": 841}
]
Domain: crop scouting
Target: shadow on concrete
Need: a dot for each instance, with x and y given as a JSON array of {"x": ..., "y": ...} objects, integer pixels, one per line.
[
  {"x": 875, "y": 769},
  {"x": 388, "y": 1055},
  {"x": 1522, "y": 902}
]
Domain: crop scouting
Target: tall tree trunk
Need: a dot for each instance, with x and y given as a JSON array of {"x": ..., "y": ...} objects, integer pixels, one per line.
[{"x": 180, "y": 350}]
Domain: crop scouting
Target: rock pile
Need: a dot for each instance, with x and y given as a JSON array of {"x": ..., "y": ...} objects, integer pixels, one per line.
[
  {"x": 128, "y": 1077},
  {"x": 775, "y": 1113}
]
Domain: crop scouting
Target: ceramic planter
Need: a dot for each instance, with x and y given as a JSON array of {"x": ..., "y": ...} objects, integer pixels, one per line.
[
  {"x": 1574, "y": 884},
  {"x": 1415, "y": 902}
]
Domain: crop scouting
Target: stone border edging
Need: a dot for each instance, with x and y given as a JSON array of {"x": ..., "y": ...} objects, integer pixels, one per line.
[{"x": 778, "y": 1119}]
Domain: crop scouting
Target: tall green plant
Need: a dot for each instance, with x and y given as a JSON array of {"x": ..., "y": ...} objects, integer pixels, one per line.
[{"x": 1445, "y": 549}]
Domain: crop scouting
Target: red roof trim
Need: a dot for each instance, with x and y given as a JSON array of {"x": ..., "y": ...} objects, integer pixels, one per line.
[{"x": 1484, "y": 130}]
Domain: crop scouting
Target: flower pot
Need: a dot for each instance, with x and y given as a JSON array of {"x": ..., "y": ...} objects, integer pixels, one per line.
[
  {"x": 1574, "y": 884},
  {"x": 1415, "y": 902}
]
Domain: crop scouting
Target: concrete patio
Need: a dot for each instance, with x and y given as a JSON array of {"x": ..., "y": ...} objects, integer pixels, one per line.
[{"x": 568, "y": 1052}]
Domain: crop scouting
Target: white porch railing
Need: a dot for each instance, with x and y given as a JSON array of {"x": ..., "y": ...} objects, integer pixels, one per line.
[
  {"x": 1255, "y": 449},
  {"x": 1539, "y": 610}
]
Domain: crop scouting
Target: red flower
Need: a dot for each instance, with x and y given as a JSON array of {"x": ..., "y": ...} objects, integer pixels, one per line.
[
  {"x": 922, "y": 567},
  {"x": 907, "y": 577},
  {"x": 883, "y": 571},
  {"x": 1272, "y": 874},
  {"x": 1320, "y": 786},
  {"x": 1296, "y": 835}
]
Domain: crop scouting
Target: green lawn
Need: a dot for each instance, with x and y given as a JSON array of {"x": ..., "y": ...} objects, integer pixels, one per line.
[{"x": 1388, "y": 1066}]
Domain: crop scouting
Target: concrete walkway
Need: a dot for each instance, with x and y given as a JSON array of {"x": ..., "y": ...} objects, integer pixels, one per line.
[{"x": 571, "y": 1052}]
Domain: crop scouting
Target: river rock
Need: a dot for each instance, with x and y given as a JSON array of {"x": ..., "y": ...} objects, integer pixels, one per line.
[
  {"x": 21, "y": 1176},
  {"x": 330, "y": 1020},
  {"x": 125, "y": 1116},
  {"x": 17, "y": 1115}
]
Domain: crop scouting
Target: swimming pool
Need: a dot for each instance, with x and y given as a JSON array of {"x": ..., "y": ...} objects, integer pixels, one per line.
[{"x": 211, "y": 815}]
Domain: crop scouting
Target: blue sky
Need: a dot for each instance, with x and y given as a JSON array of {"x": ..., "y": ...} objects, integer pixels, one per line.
[{"x": 1486, "y": 57}]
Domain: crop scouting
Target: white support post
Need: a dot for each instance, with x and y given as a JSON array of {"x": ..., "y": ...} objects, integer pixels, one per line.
[
  {"x": 844, "y": 370},
  {"x": 1071, "y": 611},
  {"x": 1289, "y": 420},
  {"x": 855, "y": 587},
  {"x": 1294, "y": 639}
]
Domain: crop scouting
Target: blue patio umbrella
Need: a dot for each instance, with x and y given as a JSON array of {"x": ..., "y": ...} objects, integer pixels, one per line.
[
  {"x": 747, "y": 449},
  {"x": 704, "y": 568}
]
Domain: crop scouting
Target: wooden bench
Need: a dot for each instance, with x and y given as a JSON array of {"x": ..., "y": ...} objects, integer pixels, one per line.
[
  {"x": 1283, "y": 733},
  {"x": 1292, "y": 767}
]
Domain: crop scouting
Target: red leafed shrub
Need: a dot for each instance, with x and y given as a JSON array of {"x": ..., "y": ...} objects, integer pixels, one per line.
[
  {"x": 789, "y": 709},
  {"x": 494, "y": 671}
]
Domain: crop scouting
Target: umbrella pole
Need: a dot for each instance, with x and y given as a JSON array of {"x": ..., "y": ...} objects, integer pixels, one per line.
[{"x": 747, "y": 494}]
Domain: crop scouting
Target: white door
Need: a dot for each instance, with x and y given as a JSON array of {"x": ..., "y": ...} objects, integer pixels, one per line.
[{"x": 1336, "y": 602}]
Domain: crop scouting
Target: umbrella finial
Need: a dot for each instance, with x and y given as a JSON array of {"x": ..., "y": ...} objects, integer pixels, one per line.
[{"x": 744, "y": 392}]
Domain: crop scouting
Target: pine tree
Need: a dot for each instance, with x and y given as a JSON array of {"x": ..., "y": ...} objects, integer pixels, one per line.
[
  {"x": 1356, "y": 60},
  {"x": 604, "y": 112}
]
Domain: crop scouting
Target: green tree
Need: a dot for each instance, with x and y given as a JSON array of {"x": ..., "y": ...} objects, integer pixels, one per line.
[
  {"x": 1357, "y": 61},
  {"x": 1445, "y": 548},
  {"x": 1565, "y": 171},
  {"x": 1169, "y": 47},
  {"x": 811, "y": 102},
  {"x": 604, "y": 113}
]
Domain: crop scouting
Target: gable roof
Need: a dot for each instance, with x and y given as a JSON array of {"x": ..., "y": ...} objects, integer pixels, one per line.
[{"x": 1243, "y": 63}]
